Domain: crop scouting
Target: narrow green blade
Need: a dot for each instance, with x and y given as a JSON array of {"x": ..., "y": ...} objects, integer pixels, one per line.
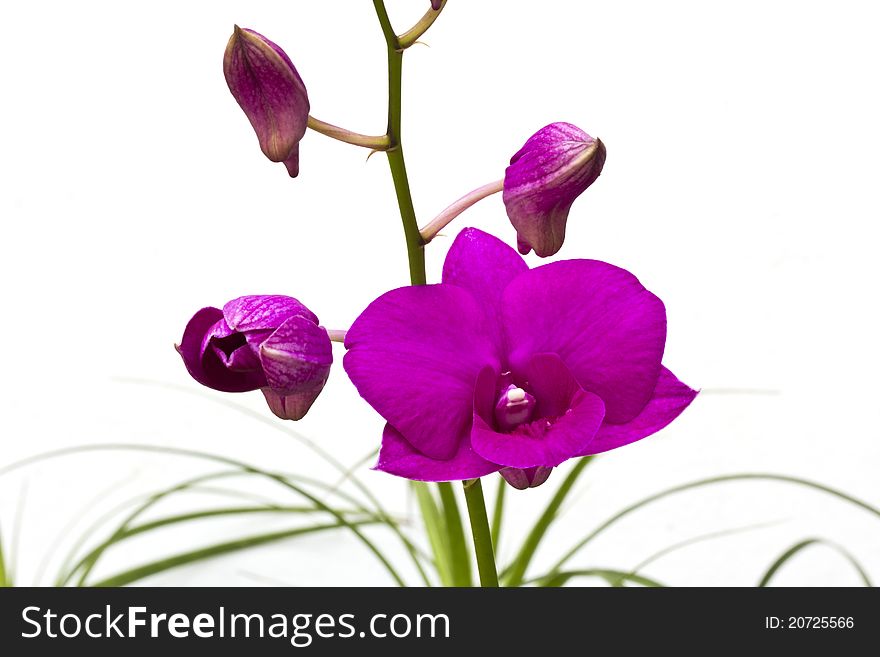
[
  {"x": 516, "y": 574},
  {"x": 279, "y": 478},
  {"x": 615, "y": 578},
  {"x": 4, "y": 580},
  {"x": 809, "y": 542},
  {"x": 498, "y": 515},
  {"x": 459, "y": 557},
  {"x": 434, "y": 528},
  {"x": 710, "y": 482},
  {"x": 135, "y": 574}
]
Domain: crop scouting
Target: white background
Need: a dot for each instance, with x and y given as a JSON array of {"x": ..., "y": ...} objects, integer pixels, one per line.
[{"x": 740, "y": 186}]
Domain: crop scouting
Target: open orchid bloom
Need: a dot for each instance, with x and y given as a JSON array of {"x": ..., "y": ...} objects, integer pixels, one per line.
[
  {"x": 267, "y": 342},
  {"x": 502, "y": 367},
  {"x": 268, "y": 88},
  {"x": 553, "y": 168}
]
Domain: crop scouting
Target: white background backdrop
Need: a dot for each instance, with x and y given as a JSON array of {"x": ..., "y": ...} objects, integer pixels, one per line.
[{"x": 740, "y": 187}]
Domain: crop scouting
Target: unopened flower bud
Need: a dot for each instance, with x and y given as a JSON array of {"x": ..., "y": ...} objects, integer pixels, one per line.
[
  {"x": 268, "y": 88},
  {"x": 544, "y": 178},
  {"x": 267, "y": 342},
  {"x": 522, "y": 478}
]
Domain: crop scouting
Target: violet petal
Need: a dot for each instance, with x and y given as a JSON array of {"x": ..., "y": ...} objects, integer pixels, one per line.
[
  {"x": 484, "y": 265},
  {"x": 414, "y": 355},
  {"x": 400, "y": 458},
  {"x": 607, "y": 328},
  {"x": 263, "y": 311},
  {"x": 297, "y": 357},
  {"x": 669, "y": 400},
  {"x": 203, "y": 363}
]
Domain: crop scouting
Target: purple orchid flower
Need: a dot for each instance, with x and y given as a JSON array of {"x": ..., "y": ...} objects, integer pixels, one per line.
[
  {"x": 270, "y": 342},
  {"x": 544, "y": 178},
  {"x": 268, "y": 88},
  {"x": 501, "y": 367}
]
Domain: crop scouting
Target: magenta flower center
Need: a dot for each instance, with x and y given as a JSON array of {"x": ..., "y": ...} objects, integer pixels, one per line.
[{"x": 515, "y": 410}]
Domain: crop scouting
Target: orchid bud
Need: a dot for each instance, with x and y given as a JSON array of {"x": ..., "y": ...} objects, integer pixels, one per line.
[
  {"x": 544, "y": 178},
  {"x": 267, "y": 342},
  {"x": 435, "y": 4},
  {"x": 522, "y": 478},
  {"x": 266, "y": 85}
]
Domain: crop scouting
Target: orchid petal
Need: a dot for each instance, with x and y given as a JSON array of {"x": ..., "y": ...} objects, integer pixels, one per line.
[
  {"x": 607, "y": 328},
  {"x": 414, "y": 355},
  {"x": 399, "y": 457},
  {"x": 203, "y": 363},
  {"x": 297, "y": 356},
  {"x": 263, "y": 311},
  {"x": 669, "y": 400},
  {"x": 483, "y": 265}
]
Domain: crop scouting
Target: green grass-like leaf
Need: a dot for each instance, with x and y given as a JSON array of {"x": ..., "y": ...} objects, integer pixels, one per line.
[
  {"x": 709, "y": 482},
  {"x": 809, "y": 542},
  {"x": 86, "y": 564},
  {"x": 5, "y": 580},
  {"x": 694, "y": 540},
  {"x": 144, "y": 502},
  {"x": 517, "y": 570},
  {"x": 615, "y": 578},
  {"x": 459, "y": 557},
  {"x": 434, "y": 528},
  {"x": 498, "y": 515},
  {"x": 155, "y": 567},
  {"x": 346, "y": 472},
  {"x": 279, "y": 478}
]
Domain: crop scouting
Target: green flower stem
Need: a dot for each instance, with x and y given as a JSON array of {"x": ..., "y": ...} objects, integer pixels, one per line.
[
  {"x": 415, "y": 250},
  {"x": 412, "y": 35},
  {"x": 415, "y": 246},
  {"x": 376, "y": 143},
  {"x": 473, "y": 493}
]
